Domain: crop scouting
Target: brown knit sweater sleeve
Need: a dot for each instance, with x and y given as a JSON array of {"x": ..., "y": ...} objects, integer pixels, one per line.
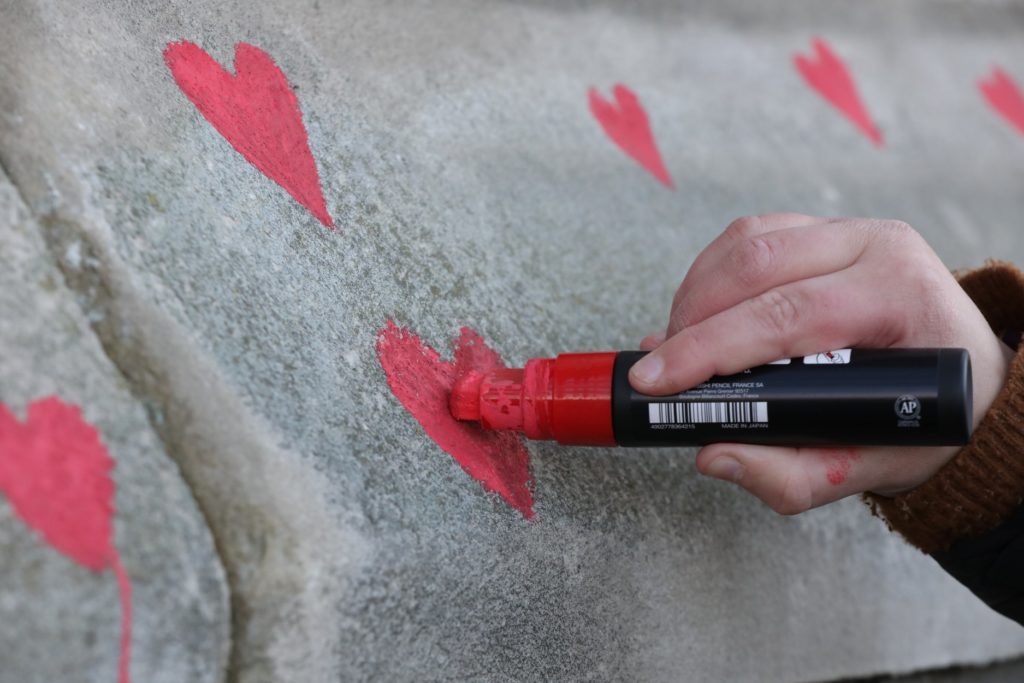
[{"x": 984, "y": 483}]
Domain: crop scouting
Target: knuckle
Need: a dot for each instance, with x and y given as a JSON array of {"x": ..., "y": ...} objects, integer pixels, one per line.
[
  {"x": 682, "y": 314},
  {"x": 901, "y": 228},
  {"x": 753, "y": 261},
  {"x": 744, "y": 227},
  {"x": 930, "y": 302},
  {"x": 895, "y": 233},
  {"x": 930, "y": 281},
  {"x": 794, "y": 497},
  {"x": 778, "y": 312},
  {"x": 687, "y": 355}
]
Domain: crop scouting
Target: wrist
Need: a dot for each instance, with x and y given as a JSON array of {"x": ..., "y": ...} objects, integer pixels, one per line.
[
  {"x": 984, "y": 482},
  {"x": 990, "y": 377}
]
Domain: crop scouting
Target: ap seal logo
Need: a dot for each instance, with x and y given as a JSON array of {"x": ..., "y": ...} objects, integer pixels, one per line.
[{"x": 908, "y": 411}]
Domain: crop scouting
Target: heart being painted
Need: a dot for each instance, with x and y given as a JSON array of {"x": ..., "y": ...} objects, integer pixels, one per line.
[
  {"x": 55, "y": 472},
  {"x": 421, "y": 381},
  {"x": 257, "y": 112},
  {"x": 1004, "y": 97},
  {"x": 625, "y": 122},
  {"x": 827, "y": 74}
]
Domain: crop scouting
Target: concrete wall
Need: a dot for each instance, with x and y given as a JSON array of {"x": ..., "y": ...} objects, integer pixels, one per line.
[{"x": 223, "y": 340}]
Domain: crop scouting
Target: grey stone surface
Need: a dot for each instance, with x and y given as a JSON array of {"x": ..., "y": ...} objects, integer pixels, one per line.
[
  {"x": 58, "y": 620},
  {"x": 471, "y": 186}
]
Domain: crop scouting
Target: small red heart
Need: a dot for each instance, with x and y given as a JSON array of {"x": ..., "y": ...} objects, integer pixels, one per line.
[
  {"x": 1004, "y": 96},
  {"x": 421, "y": 381},
  {"x": 829, "y": 76},
  {"x": 625, "y": 122},
  {"x": 55, "y": 472},
  {"x": 257, "y": 112}
]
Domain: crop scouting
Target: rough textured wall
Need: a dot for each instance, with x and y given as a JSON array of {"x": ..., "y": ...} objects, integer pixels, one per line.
[
  {"x": 470, "y": 185},
  {"x": 60, "y": 620}
]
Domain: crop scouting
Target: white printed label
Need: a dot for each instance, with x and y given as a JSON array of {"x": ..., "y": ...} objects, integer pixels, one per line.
[{"x": 838, "y": 357}]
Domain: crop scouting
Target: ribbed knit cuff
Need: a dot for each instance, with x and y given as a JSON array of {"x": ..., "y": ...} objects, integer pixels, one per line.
[{"x": 984, "y": 483}]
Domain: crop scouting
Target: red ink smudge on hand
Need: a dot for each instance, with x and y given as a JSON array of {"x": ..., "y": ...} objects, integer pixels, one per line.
[
  {"x": 257, "y": 112},
  {"x": 840, "y": 465},
  {"x": 55, "y": 472},
  {"x": 421, "y": 381},
  {"x": 827, "y": 74},
  {"x": 1004, "y": 96},
  {"x": 625, "y": 122}
]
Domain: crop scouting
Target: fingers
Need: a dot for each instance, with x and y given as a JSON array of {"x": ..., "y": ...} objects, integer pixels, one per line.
[
  {"x": 755, "y": 264},
  {"x": 740, "y": 230},
  {"x": 825, "y": 312},
  {"x": 792, "y": 480}
]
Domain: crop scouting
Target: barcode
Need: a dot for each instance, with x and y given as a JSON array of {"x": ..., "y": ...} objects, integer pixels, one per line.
[{"x": 677, "y": 413}]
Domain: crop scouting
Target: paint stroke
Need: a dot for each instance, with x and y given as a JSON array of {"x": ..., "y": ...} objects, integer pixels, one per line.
[
  {"x": 1004, "y": 96},
  {"x": 625, "y": 122},
  {"x": 55, "y": 472},
  {"x": 257, "y": 112},
  {"x": 841, "y": 461},
  {"x": 421, "y": 380},
  {"x": 826, "y": 73}
]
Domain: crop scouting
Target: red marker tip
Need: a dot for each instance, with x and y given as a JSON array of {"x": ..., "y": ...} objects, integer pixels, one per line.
[{"x": 464, "y": 399}]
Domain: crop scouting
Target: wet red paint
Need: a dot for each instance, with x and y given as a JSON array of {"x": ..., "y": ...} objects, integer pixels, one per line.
[
  {"x": 421, "y": 380},
  {"x": 124, "y": 587},
  {"x": 55, "y": 473},
  {"x": 625, "y": 122},
  {"x": 827, "y": 74},
  {"x": 840, "y": 465},
  {"x": 1004, "y": 96},
  {"x": 257, "y": 112}
]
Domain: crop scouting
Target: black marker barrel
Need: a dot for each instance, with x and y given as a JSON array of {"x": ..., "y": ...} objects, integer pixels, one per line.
[{"x": 849, "y": 397}]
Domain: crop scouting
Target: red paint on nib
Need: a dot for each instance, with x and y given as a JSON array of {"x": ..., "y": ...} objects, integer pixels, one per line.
[
  {"x": 567, "y": 399},
  {"x": 257, "y": 112},
  {"x": 828, "y": 75},
  {"x": 1005, "y": 97},
  {"x": 625, "y": 122},
  {"x": 422, "y": 381},
  {"x": 55, "y": 473}
]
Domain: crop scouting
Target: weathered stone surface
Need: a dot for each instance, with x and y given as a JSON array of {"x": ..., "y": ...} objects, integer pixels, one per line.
[
  {"x": 471, "y": 186},
  {"x": 60, "y": 621}
]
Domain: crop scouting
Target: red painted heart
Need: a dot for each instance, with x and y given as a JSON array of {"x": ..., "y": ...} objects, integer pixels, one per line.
[
  {"x": 55, "y": 472},
  {"x": 625, "y": 122},
  {"x": 1004, "y": 97},
  {"x": 257, "y": 112},
  {"x": 827, "y": 74},
  {"x": 421, "y": 381}
]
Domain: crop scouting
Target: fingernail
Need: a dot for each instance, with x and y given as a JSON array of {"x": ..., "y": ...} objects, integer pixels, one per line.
[
  {"x": 725, "y": 468},
  {"x": 647, "y": 369}
]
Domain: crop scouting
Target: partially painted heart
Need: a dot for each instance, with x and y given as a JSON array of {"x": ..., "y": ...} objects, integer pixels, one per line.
[
  {"x": 55, "y": 472},
  {"x": 625, "y": 122},
  {"x": 257, "y": 112},
  {"x": 421, "y": 380},
  {"x": 827, "y": 74}
]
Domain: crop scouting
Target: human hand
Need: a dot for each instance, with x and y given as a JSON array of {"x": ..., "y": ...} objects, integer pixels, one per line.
[{"x": 789, "y": 285}]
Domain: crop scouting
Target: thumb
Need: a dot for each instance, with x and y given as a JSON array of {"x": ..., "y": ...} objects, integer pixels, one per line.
[{"x": 788, "y": 480}]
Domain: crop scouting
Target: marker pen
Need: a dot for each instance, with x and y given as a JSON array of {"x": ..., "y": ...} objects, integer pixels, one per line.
[{"x": 846, "y": 397}]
